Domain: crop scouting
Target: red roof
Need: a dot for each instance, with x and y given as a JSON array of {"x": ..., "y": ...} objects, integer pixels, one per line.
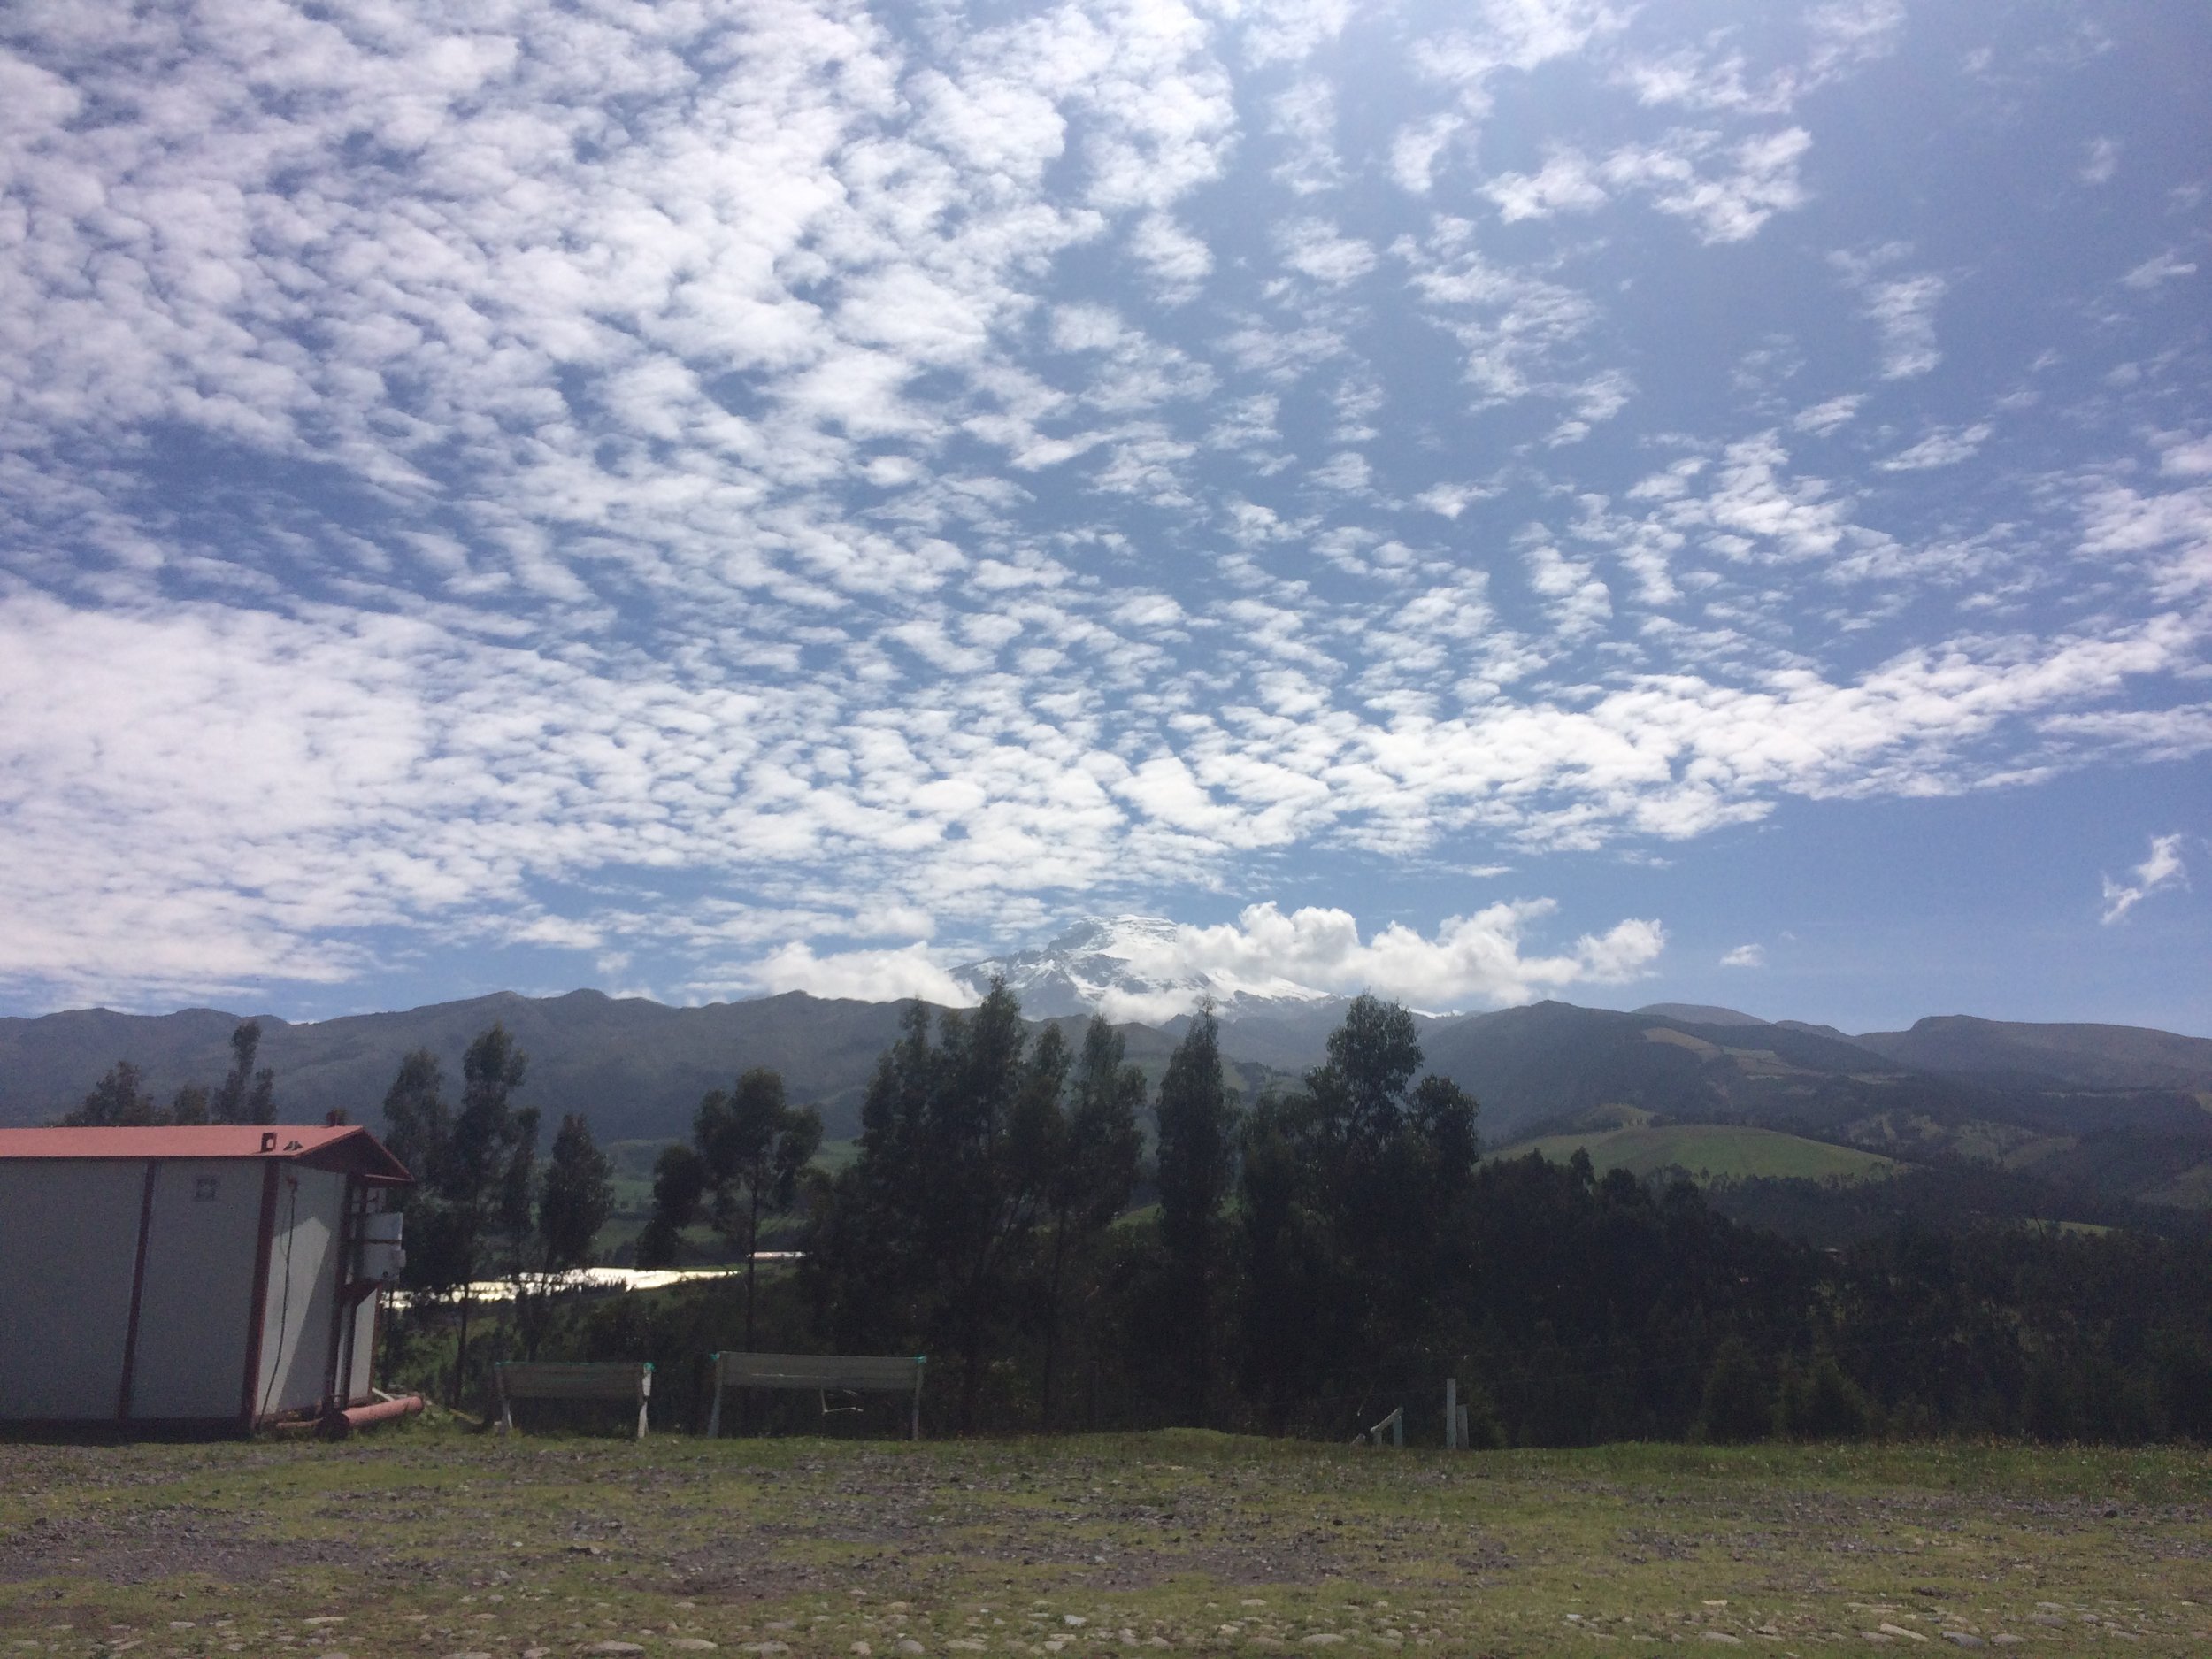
[{"x": 346, "y": 1148}]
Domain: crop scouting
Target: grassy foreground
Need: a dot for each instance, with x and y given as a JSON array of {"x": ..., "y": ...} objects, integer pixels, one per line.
[{"x": 429, "y": 1540}]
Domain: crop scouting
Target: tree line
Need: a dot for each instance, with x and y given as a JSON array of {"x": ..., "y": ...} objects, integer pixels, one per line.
[
  {"x": 247, "y": 1095},
  {"x": 1299, "y": 1263},
  {"x": 481, "y": 1208},
  {"x": 1304, "y": 1261}
]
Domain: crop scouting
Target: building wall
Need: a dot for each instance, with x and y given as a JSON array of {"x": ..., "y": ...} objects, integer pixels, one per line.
[
  {"x": 361, "y": 1374},
  {"x": 68, "y": 1248},
  {"x": 302, "y": 1285},
  {"x": 196, "y": 1307}
]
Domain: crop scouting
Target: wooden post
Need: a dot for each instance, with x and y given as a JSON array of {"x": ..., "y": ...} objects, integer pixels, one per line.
[
  {"x": 714, "y": 1382},
  {"x": 644, "y": 1397},
  {"x": 1451, "y": 1414},
  {"x": 1398, "y": 1427},
  {"x": 506, "y": 1405},
  {"x": 914, "y": 1424}
]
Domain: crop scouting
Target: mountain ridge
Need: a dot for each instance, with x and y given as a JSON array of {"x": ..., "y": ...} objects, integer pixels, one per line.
[{"x": 631, "y": 1057}]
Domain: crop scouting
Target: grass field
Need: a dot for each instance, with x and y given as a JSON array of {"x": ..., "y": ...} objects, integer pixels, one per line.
[
  {"x": 1711, "y": 1151},
  {"x": 430, "y": 1541}
]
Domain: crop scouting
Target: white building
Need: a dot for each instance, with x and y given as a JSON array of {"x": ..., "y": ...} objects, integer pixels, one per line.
[{"x": 214, "y": 1276}]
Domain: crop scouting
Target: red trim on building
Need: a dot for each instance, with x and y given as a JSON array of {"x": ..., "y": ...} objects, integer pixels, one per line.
[
  {"x": 344, "y": 1148},
  {"x": 264, "y": 1252},
  {"x": 138, "y": 1293}
]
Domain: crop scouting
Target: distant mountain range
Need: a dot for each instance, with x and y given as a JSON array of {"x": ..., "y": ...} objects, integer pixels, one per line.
[{"x": 2112, "y": 1108}]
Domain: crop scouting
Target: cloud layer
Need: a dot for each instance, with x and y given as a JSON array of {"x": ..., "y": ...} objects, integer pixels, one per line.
[{"x": 792, "y": 496}]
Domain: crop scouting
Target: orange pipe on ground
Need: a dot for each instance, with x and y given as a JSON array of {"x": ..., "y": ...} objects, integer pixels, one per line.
[{"x": 338, "y": 1425}]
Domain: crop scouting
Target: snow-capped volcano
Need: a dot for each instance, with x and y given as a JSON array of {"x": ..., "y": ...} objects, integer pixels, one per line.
[{"x": 1135, "y": 967}]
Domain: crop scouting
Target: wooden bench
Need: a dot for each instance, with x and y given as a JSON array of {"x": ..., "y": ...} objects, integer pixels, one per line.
[
  {"x": 846, "y": 1372},
  {"x": 533, "y": 1380}
]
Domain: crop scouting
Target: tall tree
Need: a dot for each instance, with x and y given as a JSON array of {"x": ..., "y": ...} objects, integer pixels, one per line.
[
  {"x": 1394, "y": 1162},
  {"x": 574, "y": 1198},
  {"x": 484, "y": 1174},
  {"x": 748, "y": 1148},
  {"x": 1354, "y": 1197},
  {"x": 418, "y": 1127},
  {"x": 1197, "y": 1160},
  {"x": 1089, "y": 1148},
  {"x": 978, "y": 1221},
  {"x": 418, "y": 1122},
  {"x": 927, "y": 1235},
  {"x": 577, "y": 1198},
  {"x": 247, "y": 1095},
  {"x": 1291, "y": 1312}
]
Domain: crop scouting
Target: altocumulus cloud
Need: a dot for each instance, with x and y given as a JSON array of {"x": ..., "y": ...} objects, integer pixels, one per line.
[{"x": 741, "y": 491}]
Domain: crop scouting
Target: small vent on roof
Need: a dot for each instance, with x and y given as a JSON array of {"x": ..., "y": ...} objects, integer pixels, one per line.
[{"x": 268, "y": 1140}]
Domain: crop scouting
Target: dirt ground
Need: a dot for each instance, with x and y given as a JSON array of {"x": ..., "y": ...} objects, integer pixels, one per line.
[{"x": 433, "y": 1542}]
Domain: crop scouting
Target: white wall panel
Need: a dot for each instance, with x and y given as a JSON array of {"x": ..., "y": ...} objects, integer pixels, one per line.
[
  {"x": 197, "y": 1304},
  {"x": 68, "y": 1245},
  {"x": 362, "y": 1374},
  {"x": 303, "y": 1273}
]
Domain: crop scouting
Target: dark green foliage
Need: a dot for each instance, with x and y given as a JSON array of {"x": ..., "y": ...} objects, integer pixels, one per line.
[
  {"x": 1739, "y": 1403},
  {"x": 1486, "y": 1428},
  {"x": 1357, "y": 1238},
  {"x": 577, "y": 1198},
  {"x": 1197, "y": 1164},
  {"x": 416, "y": 1117},
  {"x": 748, "y": 1149},
  {"x": 189, "y": 1105},
  {"x": 247, "y": 1095},
  {"x": 1343, "y": 1252},
  {"x": 419, "y": 1125},
  {"x": 119, "y": 1100},
  {"x": 471, "y": 1214},
  {"x": 977, "y": 1183},
  {"x": 1089, "y": 1144},
  {"x": 1820, "y": 1402}
]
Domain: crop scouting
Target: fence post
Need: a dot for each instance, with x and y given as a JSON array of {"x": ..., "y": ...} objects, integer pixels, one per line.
[
  {"x": 714, "y": 1382},
  {"x": 1451, "y": 1414}
]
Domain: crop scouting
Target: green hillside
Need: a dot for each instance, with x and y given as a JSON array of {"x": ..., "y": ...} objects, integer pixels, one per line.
[{"x": 1709, "y": 1151}]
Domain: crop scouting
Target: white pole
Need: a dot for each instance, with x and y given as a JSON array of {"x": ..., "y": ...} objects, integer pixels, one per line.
[{"x": 1451, "y": 1414}]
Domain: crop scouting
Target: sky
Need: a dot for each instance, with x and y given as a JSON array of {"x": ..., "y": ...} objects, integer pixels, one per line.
[{"x": 1481, "y": 501}]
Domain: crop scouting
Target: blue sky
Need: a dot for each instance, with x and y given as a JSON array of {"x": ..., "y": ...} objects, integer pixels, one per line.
[{"x": 1545, "y": 498}]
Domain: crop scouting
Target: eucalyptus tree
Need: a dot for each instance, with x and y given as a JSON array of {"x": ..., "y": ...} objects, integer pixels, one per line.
[
  {"x": 470, "y": 1213},
  {"x": 1197, "y": 1163},
  {"x": 1090, "y": 1150},
  {"x": 1354, "y": 1195},
  {"x": 748, "y": 1148},
  {"x": 247, "y": 1095},
  {"x": 928, "y": 1236}
]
